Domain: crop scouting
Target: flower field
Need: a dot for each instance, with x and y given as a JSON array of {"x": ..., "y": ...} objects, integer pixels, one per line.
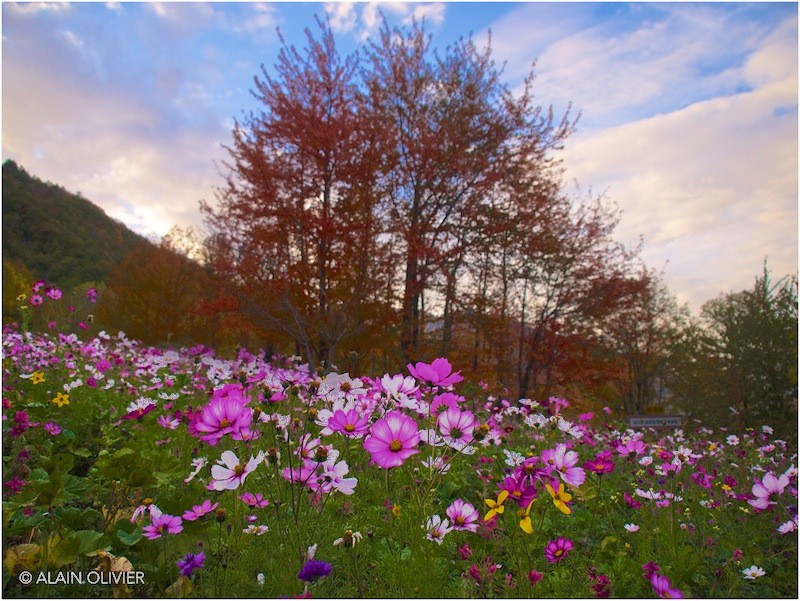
[{"x": 257, "y": 477}]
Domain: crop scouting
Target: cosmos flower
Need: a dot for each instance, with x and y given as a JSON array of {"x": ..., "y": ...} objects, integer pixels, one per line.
[
  {"x": 463, "y": 516},
  {"x": 254, "y": 500},
  {"x": 456, "y": 426},
  {"x": 662, "y": 587},
  {"x": 313, "y": 570},
  {"x": 496, "y": 507},
  {"x": 190, "y": 563},
  {"x": 161, "y": 525},
  {"x": 392, "y": 439},
  {"x": 556, "y": 550},
  {"x": 349, "y": 423},
  {"x": 438, "y": 372},
  {"x": 768, "y": 486},
  {"x": 525, "y": 523},
  {"x": 333, "y": 478},
  {"x": 560, "y": 497},
  {"x": 230, "y": 473},
  {"x": 519, "y": 490},
  {"x": 753, "y": 572},
  {"x": 52, "y": 429},
  {"x": 198, "y": 511},
  {"x": 437, "y": 529},
  {"x": 631, "y": 527},
  {"x": 226, "y": 413}
]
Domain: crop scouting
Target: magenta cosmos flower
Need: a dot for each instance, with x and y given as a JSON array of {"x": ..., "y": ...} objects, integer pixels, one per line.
[
  {"x": 226, "y": 413},
  {"x": 663, "y": 588},
  {"x": 437, "y": 373},
  {"x": 349, "y": 423},
  {"x": 162, "y": 524},
  {"x": 558, "y": 549},
  {"x": 392, "y": 439},
  {"x": 456, "y": 426}
]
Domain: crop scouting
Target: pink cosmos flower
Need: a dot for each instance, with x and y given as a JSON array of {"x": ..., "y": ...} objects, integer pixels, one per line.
[
  {"x": 565, "y": 462},
  {"x": 52, "y": 429},
  {"x": 437, "y": 373},
  {"x": 226, "y": 413},
  {"x": 349, "y": 424},
  {"x": 161, "y": 525},
  {"x": 662, "y": 588},
  {"x": 36, "y": 300},
  {"x": 54, "y": 293},
  {"x": 456, "y": 426},
  {"x": 463, "y": 516},
  {"x": 254, "y": 500},
  {"x": 198, "y": 511},
  {"x": 166, "y": 421},
  {"x": 558, "y": 549},
  {"x": 768, "y": 486},
  {"x": 634, "y": 446},
  {"x": 230, "y": 473},
  {"x": 392, "y": 439}
]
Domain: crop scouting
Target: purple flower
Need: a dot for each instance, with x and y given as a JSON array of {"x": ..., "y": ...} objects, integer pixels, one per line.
[
  {"x": 662, "y": 588},
  {"x": 190, "y": 563},
  {"x": 14, "y": 485},
  {"x": 52, "y": 429},
  {"x": 558, "y": 549},
  {"x": 534, "y": 577},
  {"x": 392, "y": 439},
  {"x": 161, "y": 525},
  {"x": 313, "y": 570}
]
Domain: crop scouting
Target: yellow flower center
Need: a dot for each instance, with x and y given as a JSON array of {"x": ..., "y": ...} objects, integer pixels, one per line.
[
  {"x": 225, "y": 423},
  {"x": 349, "y": 428},
  {"x": 238, "y": 470},
  {"x": 395, "y": 446}
]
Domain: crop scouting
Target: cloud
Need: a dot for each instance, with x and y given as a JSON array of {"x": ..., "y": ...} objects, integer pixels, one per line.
[
  {"x": 712, "y": 187},
  {"x": 146, "y": 138},
  {"x": 29, "y": 8},
  {"x": 343, "y": 16},
  {"x": 346, "y": 16}
]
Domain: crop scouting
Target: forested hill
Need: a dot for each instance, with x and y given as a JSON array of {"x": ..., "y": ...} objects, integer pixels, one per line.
[{"x": 57, "y": 235}]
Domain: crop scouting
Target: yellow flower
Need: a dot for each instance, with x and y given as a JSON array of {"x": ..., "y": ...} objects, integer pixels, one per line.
[
  {"x": 61, "y": 399},
  {"x": 21, "y": 297},
  {"x": 396, "y": 510},
  {"x": 525, "y": 523},
  {"x": 496, "y": 507},
  {"x": 37, "y": 377},
  {"x": 560, "y": 498}
]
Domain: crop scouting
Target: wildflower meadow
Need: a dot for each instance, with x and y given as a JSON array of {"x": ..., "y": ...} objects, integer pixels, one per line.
[{"x": 259, "y": 476}]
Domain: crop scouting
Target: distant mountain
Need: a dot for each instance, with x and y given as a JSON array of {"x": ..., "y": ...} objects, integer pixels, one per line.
[{"x": 57, "y": 235}]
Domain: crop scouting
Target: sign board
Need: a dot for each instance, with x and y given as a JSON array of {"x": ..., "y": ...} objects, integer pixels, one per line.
[{"x": 655, "y": 421}]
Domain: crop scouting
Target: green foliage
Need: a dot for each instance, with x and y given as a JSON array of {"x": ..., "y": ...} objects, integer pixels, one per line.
[
  {"x": 753, "y": 342},
  {"x": 56, "y": 235}
]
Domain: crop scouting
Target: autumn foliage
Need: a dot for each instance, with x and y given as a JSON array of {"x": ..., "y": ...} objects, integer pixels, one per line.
[{"x": 392, "y": 204}]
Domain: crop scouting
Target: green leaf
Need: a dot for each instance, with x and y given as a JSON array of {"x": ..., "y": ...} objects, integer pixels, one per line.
[{"x": 129, "y": 539}]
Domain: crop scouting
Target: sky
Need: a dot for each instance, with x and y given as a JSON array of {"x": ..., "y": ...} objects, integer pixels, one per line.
[{"x": 688, "y": 111}]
